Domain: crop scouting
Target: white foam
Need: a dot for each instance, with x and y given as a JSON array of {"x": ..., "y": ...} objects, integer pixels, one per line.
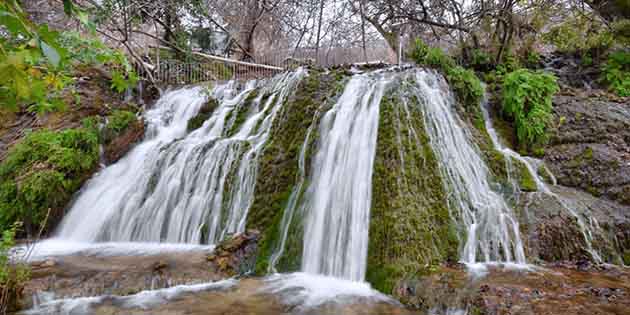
[
  {"x": 47, "y": 304},
  {"x": 60, "y": 247},
  {"x": 305, "y": 291}
]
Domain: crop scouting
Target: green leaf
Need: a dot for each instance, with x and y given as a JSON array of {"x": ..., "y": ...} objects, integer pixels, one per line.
[
  {"x": 12, "y": 23},
  {"x": 51, "y": 54}
]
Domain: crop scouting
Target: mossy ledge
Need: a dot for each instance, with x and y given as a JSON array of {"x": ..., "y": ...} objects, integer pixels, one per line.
[{"x": 410, "y": 224}]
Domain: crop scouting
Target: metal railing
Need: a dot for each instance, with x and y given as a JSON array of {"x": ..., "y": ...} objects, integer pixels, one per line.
[{"x": 215, "y": 68}]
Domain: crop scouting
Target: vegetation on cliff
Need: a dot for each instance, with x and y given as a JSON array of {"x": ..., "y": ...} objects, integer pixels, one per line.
[
  {"x": 526, "y": 99},
  {"x": 464, "y": 82},
  {"x": 40, "y": 174},
  {"x": 38, "y": 62}
]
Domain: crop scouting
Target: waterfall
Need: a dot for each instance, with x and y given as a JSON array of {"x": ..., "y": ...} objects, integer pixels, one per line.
[
  {"x": 179, "y": 186},
  {"x": 338, "y": 199},
  {"x": 492, "y": 229},
  {"x": 541, "y": 186}
]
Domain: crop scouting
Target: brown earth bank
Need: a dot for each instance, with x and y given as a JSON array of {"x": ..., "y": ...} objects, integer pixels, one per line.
[{"x": 93, "y": 97}]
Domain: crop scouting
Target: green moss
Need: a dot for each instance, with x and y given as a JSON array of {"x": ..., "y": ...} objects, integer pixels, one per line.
[
  {"x": 626, "y": 258},
  {"x": 204, "y": 113},
  {"x": 588, "y": 153},
  {"x": 526, "y": 180},
  {"x": 545, "y": 174},
  {"x": 120, "y": 120},
  {"x": 410, "y": 224},
  {"x": 41, "y": 173},
  {"x": 239, "y": 115},
  {"x": 117, "y": 123}
]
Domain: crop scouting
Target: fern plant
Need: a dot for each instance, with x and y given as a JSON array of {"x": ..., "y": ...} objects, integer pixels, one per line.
[
  {"x": 527, "y": 99},
  {"x": 616, "y": 72}
]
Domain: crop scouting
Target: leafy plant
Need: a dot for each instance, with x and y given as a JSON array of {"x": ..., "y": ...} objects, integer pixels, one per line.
[
  {"x": 466, "y": 85},
  {"x": 35, "y": 61},
  {"x": 616, "y": 72},
  {"x": 580, "y": 33},
  {"x": 527, "y": 99},
  {"x": 464, "y": 82},
  {"x": 480, "y": 60}
]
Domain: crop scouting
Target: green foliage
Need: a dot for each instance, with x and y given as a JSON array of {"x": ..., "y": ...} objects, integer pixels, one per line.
[
  {"x": 480, "y": 60},
  {"x": 430, "y": 56},
  {"x": 621, "y": 31},
  {"x": 120, "y": 120},
  {"x": 464, "y": 82},
  {"x": 466, "y": 85},
  {"x": 616, "y": 73},
  {"x": 527, "y": 99},
  {"x": 42, "y": 171},
  {"x": 36, "y": 61}
]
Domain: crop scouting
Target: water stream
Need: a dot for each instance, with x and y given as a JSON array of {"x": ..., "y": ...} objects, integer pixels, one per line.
[
  {"x": 196, "y": 188},
  {"x": 532, "y": 166},
  {"x": 492, "y": 229},
  {"x": 338, "y": 199}
]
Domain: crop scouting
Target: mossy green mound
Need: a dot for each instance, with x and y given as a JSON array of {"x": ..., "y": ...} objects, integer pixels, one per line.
[
  {"x": 40, "y": 174},
  {"x": 410, "y": 224}
]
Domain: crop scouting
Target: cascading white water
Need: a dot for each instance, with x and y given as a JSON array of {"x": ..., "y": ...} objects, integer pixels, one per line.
[
  {"x": 541, "y": 186},
  {"x": 338, "y": 199},
  {"x": 492, "y": 230},
  {"x": 173, "y": 187}
]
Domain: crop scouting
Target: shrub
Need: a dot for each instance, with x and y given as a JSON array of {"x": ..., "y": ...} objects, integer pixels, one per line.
[
  {"x": 466, "y": 85},
  {"x": 481, "y": 60},
  {"x": 41, "y": 172},
  {"x": 527, "y": 99},
  {"x": 616, "y": 73},
  {"x": 464, "y": 82},
  {"x": 12, "y": 275}
]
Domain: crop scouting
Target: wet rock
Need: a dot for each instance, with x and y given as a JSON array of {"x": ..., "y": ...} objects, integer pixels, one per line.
[
  {"x": 237, "y": 255},
  {"x": 590, "y": 149},
  {"x": 560, "y": 288}
]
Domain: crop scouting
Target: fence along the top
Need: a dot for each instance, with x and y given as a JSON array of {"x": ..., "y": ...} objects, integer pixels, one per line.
[
  {"x": 329, "y": 56},
  {"x": 265, "y": 65}
]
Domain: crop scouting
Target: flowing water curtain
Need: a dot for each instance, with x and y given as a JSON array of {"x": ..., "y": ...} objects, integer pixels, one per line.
[
  {"x": 492, "y": 232},
  {"x": 180, "y": 186},
  {"x": 338, "y": 199}
]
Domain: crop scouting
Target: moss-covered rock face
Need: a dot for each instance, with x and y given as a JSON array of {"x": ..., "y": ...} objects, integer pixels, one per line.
[
  {"x": 278, "y": 170},
  {"x": 410, "y": 225},
  {"x": 40, "y": 174}
]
